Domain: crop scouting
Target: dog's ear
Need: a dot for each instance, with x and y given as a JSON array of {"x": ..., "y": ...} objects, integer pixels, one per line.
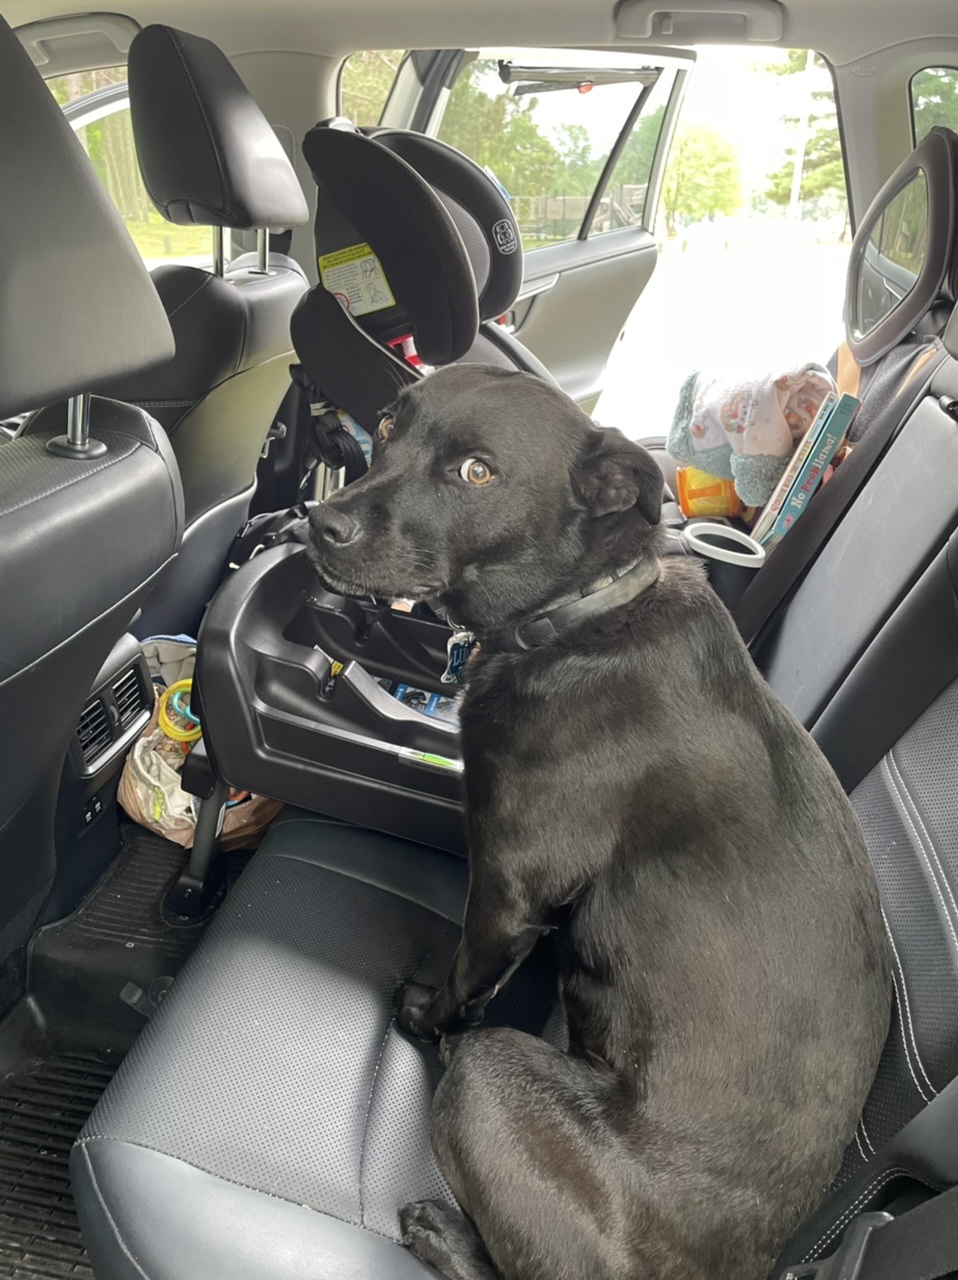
[{"x": 613, "y": 474}]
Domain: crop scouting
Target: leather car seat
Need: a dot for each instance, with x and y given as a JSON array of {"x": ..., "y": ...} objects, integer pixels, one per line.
[
  {"x": 86, "y": 525},
  {"x": 210, "y": 158}
]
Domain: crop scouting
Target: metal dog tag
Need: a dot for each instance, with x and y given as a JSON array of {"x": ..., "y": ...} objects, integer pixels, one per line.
[{"x": 458, "y": 648}]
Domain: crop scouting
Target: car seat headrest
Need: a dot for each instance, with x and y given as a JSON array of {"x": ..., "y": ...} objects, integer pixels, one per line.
[
  {"x": 478, "y": 207},
  {"x": 207, "y": 153},
  {"x": 902, "y": 262},
  {"x": 77, "y": 306},
  {"x": 370, "y": 196}
]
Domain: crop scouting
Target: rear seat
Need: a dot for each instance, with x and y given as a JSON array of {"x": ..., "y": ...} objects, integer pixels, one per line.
[{"x": 271, "y": 1119}]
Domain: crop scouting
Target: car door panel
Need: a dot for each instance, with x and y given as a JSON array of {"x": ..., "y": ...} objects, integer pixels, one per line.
[{"x": 575, "y": 299}]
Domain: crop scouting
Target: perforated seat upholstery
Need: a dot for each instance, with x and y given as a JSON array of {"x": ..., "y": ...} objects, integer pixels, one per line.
[{"x": 277, "y": 1067}]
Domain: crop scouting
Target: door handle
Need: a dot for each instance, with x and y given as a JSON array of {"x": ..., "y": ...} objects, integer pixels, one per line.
[{"x": 532, "y": 287}]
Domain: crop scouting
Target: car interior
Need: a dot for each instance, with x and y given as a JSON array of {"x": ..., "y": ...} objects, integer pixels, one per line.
[{"x": 200, "y": 1070}]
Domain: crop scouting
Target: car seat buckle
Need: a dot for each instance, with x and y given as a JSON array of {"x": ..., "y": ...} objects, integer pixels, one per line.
[{"x": 846, "y": 1262}]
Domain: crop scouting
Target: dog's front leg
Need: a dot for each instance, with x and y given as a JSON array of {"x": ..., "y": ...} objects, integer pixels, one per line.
[{"x": 499, "y": 931}]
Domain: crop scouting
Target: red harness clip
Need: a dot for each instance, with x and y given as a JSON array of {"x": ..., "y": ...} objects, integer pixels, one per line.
[{"x": 406, "y": 345}]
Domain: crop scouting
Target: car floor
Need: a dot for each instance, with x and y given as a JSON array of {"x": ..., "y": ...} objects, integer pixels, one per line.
[{"x": 61, "y": 1045}]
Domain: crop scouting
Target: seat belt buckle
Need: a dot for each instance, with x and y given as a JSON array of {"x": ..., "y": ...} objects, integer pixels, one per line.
[{"x": 846, "y": 1262}]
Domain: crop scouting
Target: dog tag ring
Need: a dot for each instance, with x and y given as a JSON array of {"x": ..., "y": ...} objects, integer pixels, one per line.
[{"x": 458, "y": 648}]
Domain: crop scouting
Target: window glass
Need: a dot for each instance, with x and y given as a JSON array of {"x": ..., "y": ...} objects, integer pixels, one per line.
[
  {"x": 892, "y": 257},
  {"x": 108, "y": 141},
  {"x": 365, "y": 82},
  {"x": 549, "y": 144},
  {"x": 753, "y": 234},
  {"x": 934, "y": 100}
]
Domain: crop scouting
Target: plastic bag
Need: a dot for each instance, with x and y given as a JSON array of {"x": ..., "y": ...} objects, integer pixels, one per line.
[{"x": 151, "y": 794}]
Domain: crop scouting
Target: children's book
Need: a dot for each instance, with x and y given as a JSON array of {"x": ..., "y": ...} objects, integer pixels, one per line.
[
  {"x": 810, "y": 475},
  {"x": 781, "y": 491}
]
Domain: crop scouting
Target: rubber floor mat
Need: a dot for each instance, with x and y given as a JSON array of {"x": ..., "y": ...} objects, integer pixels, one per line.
[
  {"x": 119, "y": 935},
  {"x": 42, "y": 1109}
]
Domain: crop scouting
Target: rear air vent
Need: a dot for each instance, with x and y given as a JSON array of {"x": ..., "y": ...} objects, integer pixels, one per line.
[
  {"x": 94, "y": 731},
  {"x": 129, "y": 695},
  {"x": 118, "y": 709}
]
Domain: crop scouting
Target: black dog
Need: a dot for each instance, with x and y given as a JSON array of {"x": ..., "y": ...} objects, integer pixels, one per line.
[{"x": 633, "y": 785}]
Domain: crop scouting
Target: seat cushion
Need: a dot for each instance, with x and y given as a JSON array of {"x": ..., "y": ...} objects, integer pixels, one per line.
[{"x": 272, "y": 1119}]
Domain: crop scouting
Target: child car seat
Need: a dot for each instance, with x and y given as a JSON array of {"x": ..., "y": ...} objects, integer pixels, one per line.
[{"x": 419, "y": 255}]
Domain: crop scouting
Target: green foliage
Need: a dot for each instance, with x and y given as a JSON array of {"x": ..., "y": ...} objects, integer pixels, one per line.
[
  {"x": 367, "y": 77},
  {"x": 109, "y": 144},
  {"x": 702, "y": 178},
  {"x": 934, "y": 98},
  {"x": 823, "y": 169},
  {"x": 550, "y": 173},
  {"x": 635, "y": 161}
]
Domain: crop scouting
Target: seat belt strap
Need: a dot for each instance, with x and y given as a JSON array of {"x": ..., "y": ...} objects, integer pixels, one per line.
[
  {"x": 919, "y": 1245},
  {"x": 849, "y": 372}
]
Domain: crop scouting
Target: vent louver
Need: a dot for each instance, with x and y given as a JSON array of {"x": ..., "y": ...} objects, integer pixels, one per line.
[
  {"x": 128, "y": 693},
  {"x": 94, "y": 732}
]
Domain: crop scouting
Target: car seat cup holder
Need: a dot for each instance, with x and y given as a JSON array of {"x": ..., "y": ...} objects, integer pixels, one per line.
[{"x": 711, "y": 540}]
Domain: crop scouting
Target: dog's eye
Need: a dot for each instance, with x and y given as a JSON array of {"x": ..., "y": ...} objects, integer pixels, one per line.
[
  {"x": 385, "y": 427},
  {"x": 475, "y": 472}
]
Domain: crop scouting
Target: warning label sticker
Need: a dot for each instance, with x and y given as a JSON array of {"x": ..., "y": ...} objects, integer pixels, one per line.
[{"x": 356, "y": 277}]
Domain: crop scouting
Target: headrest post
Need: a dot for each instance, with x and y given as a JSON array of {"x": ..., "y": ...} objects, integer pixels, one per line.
[
  {"x": 219, "y": 256},
  {"x": 78, "y": 420},
  {"x": 262, "y": 251},
  {"x": 77, "y": 443}
]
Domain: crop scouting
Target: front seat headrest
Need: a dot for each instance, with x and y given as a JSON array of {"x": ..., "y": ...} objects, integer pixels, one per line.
[
  {"x": 207, "y": 153},
  {"x": 77, "y": 306},
  {"x": 368, "y": 195},
  {"x": 903, "y": 258}
]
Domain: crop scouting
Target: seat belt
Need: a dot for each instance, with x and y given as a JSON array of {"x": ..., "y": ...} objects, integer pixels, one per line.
[
  {"x": 768, "y": 593},
  {"x": 921, "y": 1244},
  {"x": 848, "y": 372}
]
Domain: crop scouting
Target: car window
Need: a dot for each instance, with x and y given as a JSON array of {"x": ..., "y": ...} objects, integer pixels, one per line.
[
  {"x": 548, "y": 143},
  {"x": 365, "y": 82},
  {"x": 97, "y": 107},
  {"x": 754, "y": 234},
  {"x": 934, "y": 100}
]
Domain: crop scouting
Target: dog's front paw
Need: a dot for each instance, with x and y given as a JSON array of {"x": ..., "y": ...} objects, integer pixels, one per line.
[
  {"x": 415, "y": 1008},
  {"x": 444, "y": 1238}
]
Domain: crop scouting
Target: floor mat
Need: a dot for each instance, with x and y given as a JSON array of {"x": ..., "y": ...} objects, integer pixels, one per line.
[
  {"x": 119, "y": 937},
  {"x": 42, "y": 1109}
]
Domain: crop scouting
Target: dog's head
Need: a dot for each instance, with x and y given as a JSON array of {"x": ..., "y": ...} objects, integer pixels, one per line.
[{"x": 491, "y": 493}]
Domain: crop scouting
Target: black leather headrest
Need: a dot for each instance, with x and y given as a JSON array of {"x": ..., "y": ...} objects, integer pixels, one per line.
[
  {"x": 208, "y": 154},
  {"x": 903, "y": 258},
  {"x": 478, "y": 207},
  {"x": 77, "y": 307},
  {"x": 368, "y": 195}
]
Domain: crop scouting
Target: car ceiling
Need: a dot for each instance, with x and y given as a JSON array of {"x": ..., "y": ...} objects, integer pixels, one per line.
[{"x": 845, "y": 31}]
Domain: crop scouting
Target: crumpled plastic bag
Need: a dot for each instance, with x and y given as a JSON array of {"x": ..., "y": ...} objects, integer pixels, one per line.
[{"x": 151, "y": 794}]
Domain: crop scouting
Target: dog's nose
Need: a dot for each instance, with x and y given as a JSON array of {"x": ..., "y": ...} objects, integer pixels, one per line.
[{"x": 332, "y": 525}]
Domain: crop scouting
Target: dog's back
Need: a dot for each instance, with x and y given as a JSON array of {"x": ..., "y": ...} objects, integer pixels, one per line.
[{"x": 723, "y": 950}]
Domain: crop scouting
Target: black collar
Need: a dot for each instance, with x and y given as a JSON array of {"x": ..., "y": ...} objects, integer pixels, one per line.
[{"x": 610, "y": 592}]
